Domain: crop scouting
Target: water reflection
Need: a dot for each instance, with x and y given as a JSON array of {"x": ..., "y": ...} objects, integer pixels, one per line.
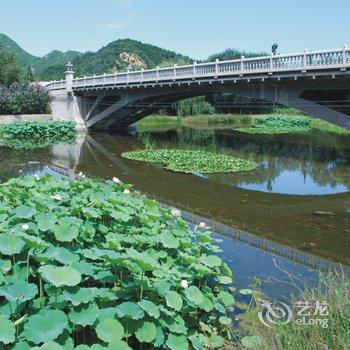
[{"x": 279, "y": 207}]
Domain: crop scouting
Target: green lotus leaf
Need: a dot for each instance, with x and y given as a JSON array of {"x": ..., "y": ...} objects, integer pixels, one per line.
[
  {"x": 108, "y": 312},
  {"x": 169, "y": 241},
  {"x": 150, "y": 308},
  {"x": 207, "y": 304},
  {"x": 46, "y": 221},
  {"x": 160, "y": 338},
  {"x": 65, "y": 232},
  {"x": 177, "y": 342},
  {"x": 7, "y": 330},
  {"x": 216, "y": 341},
  {"x": 24, "y": 212},
  {"x": 147, "y": 332},
  {"x": 45, "y": 326},
  {"x": 194, "y": 294},
  {"x": 245, "y": 291},
  {"x": 84, "y": 315},
  {"x": 78, "y": 295},
  {"x": 84, "y": 268},
  {"x": 226, "y": 298},
  {"x": 225, "y": 320},
  {"x": 19, "y": 291},
  {"x": 144, "y": 260},
  {"x": 176, "y": 324},
  {"x": 162, "y": 287},
  {"x": 130, "y": 309},
  {"x": 5, "y": 265},
  {"x": 225, "y": 280},
  {"x": 60, "y": 276},
  {"x": 10, "y": 244},
  {"x": 110, "y": 330},
  {"x": 210, "y": 260},
  {"x": 1, "y": 278},
  {"x": 62, "y": 255},
  {"x": 174, "y": 300},
  {"x": 51, "y": 345},
  {"x": 22, "y": 345},
  {"x": 33, "y": 241},
  {"x": 118, "y": 344},
  {"x": 92, "y": 347}
]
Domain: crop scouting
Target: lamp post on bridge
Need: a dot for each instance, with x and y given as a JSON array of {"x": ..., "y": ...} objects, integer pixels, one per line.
[{"x": 69, "y": 78}]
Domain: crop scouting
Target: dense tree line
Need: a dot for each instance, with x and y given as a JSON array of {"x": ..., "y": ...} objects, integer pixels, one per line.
[{"x": 18, "y": 93}]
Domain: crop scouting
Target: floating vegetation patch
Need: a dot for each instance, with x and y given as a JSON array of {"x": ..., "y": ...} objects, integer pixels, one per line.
[
  {"x": 277, "y": 124},
  {"x": 39, "y": 134},
  {"x": 94, "y": 263},
  {"x": 39, "y": 143},
  {"x": 38, "y": 129},
  {"x": 188, "y": 161}
]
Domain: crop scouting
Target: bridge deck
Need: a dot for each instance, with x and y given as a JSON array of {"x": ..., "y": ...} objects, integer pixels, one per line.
[{"x": 317, "y": 62}]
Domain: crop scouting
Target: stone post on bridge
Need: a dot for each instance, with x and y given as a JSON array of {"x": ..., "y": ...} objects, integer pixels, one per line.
[{"x": 69, "y": 78}]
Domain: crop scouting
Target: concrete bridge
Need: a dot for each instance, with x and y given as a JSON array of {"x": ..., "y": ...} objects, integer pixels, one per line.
[{"x": 316, "y": 83}]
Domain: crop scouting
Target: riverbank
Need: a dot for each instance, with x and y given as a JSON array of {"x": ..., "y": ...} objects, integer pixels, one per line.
[
  {"x": 317, "y": 319},
  {"x": 240, "y": 122}
]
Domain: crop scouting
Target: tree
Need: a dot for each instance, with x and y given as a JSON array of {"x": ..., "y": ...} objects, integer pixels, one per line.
[
  {"x": 28, "y": 75},
  {"x": 10, "y": 70}
]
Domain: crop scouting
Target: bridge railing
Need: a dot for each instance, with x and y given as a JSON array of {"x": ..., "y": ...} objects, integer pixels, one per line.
[{"x": 317, "y": 60}]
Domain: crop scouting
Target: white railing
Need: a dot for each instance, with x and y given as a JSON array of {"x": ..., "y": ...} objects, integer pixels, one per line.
[{"x": 299, "y": 62}]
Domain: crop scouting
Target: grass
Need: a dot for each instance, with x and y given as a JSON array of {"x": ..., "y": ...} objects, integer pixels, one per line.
[
  {"x": 188, "y": 161},
  {"x": 279, "y": 121},
  {"x": 333, "y": 289}
]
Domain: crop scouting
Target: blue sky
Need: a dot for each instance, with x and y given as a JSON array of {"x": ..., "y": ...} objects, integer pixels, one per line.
[{"x": 193, "y": 27}]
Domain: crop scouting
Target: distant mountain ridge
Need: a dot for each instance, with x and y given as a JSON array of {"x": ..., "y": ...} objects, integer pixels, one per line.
[
  {"x": 38, "y": 64},
  {"x": 114, "y": 57}
]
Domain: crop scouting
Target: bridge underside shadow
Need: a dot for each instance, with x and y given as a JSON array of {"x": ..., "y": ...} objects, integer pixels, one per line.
[{"x": 110, "y": 107}]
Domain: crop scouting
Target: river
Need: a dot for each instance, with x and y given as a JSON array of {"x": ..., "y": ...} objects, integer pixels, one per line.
[{"x": 290, "y": 214}]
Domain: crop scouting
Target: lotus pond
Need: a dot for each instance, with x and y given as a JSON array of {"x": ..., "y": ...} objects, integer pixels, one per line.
[{"x": 85, "y": 262}]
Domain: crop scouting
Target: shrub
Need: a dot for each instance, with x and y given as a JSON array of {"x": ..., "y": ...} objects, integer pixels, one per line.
[
  {"x": 23, "y": 98},
  {"x": 86, "y": 262},
  {"x": 39, "y": 130}
]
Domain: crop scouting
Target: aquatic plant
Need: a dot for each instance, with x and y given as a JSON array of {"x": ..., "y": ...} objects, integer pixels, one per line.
[
  {"x": 188, "y": 161},
  {"x": 277, "y": 124},
  {"x": 36, "y": 143},
  {"x": 38, "y": 129},
  {"x": 89, "y": 263}
]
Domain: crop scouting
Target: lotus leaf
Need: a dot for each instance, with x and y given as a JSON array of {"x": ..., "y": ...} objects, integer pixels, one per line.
[
  {"x": 60, "y": 276},
  {"x": 110, "y": 330}
]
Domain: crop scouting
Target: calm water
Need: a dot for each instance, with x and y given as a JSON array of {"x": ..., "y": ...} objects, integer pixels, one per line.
[{"x": 297, "y": 198}]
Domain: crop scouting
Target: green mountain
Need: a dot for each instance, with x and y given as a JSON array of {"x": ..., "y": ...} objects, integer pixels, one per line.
[
  {"x": 23, "y": 57},
  {"x": 116, "y": 57},
  {"x": 38, "y": 64}
]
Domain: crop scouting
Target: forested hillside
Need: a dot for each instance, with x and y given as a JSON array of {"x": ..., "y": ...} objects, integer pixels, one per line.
[{"x": 114, "y": 57}]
